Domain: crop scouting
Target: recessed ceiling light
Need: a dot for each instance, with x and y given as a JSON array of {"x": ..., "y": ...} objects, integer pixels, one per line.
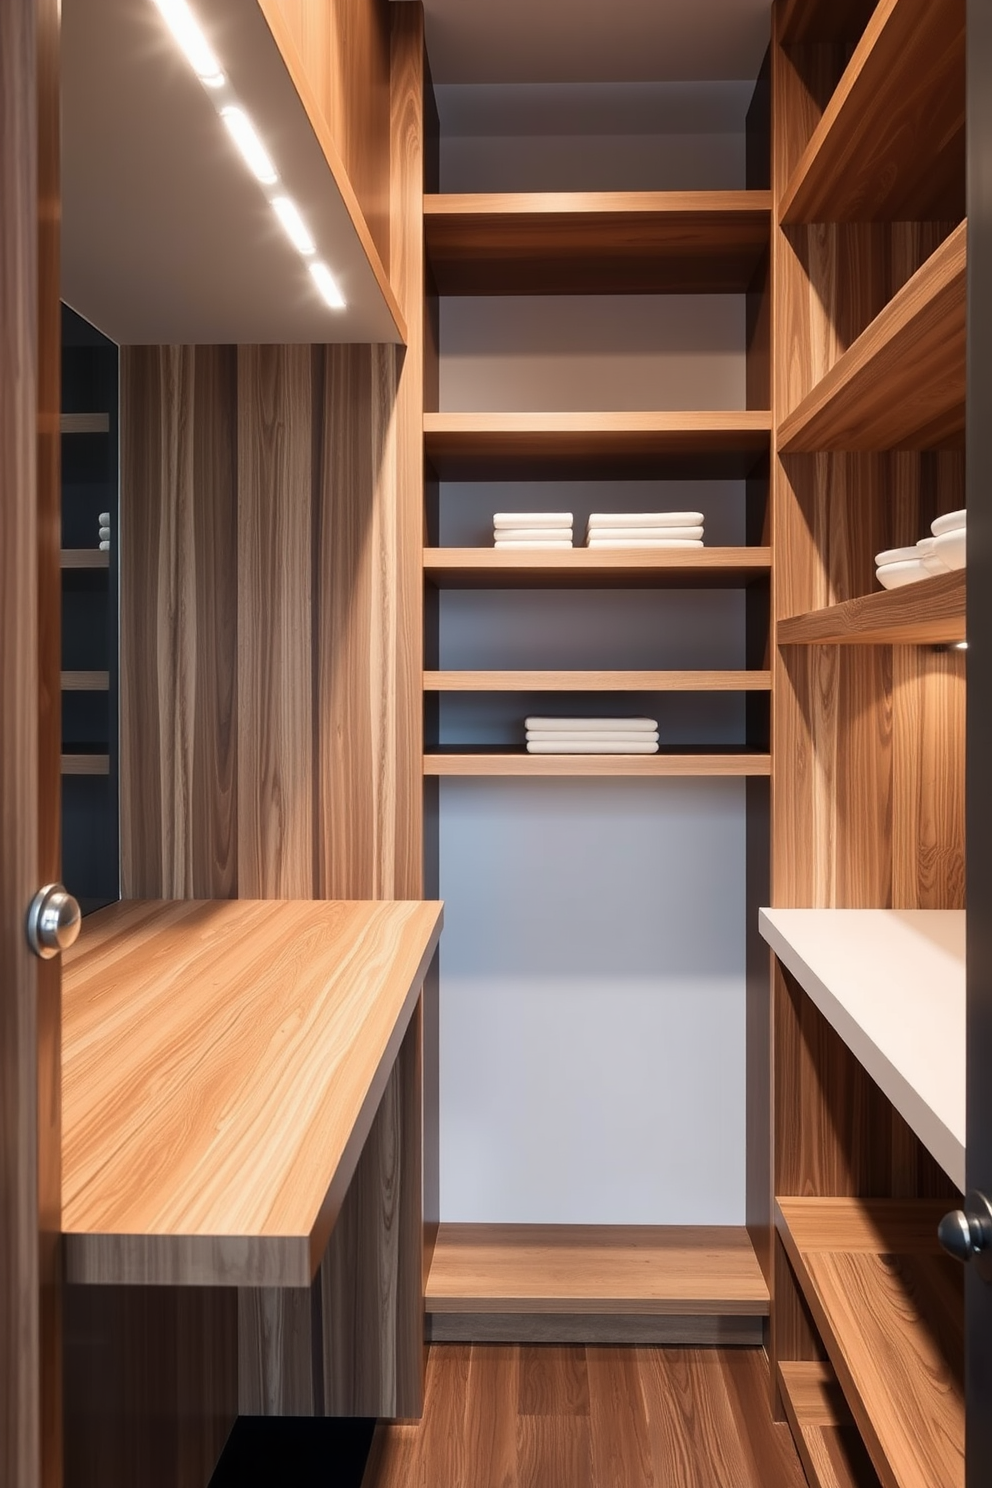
[
  {"x": 296, "y": 229},
  {"x": 182, "y": 23},
  {"x": 245, "y": 136},
  {"x": 328, "y": 285}
]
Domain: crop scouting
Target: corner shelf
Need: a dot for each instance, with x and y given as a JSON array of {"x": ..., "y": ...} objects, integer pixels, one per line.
[
  {"x": 714, "y": 761},
  {"x": 84, "y": 423},
  {"x": 635, "y": 568},
  {"x": 598, "y": 681},
  {"x": 85, "y": 681},
  {"x": 891, "y": 144},
  {"x": 85, "y": 764},
  {"x": 931, "y": 612},
  {"x": 829, "y": 1443},
  {"x": 83, "y": 558},
  {"x": 714, "y": 445},
  {"x": 891, "y": 983},
  {"x": 603, "y": 242},
  {"x": 901, "y": 384},
  {"x": 887, "y": 1305}
]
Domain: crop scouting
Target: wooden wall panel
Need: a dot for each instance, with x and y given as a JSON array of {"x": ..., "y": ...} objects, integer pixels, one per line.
[
  {"x": 275, "y": 723},
  {"x": 343, "y": 48}
]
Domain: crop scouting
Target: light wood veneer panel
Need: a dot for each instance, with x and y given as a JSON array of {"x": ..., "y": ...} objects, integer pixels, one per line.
[
  {"x": 674, "y": 762},
  {"x": 487, "y": 568},
  {"x": 595, "y": 1269},
  {"x": 713, "y": 681},
  {"x": 223, "y": 1064},
  {"x": 888, "y": 1305},
  {"x": 596, "y": 242},
  {"x": 890, "y": 144},
  {"x": 901, "y": 384},
  {"x": 931, "y": 612}
]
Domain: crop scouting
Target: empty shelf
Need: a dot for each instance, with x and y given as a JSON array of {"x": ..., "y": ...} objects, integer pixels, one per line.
[
  {"x": 85, "y": 681},
  {"x": 84, "y": 558},
  {"x": 599, "y": 681},
  {"x": 826, "y": 1437},
  {"x": 85, "y": 764},
  {"x": 84, "y": 423}
]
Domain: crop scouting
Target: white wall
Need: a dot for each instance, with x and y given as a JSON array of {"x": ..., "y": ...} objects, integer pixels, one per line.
[{"x": 592, "y": 963}]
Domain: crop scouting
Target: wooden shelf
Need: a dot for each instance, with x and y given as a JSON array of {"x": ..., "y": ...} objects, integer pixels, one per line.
[
  {"x": 931, "y": 612},
  {"x": 637, "y": 568},
  {"x": 889, "y": 1309},
  {"x": 678, "y": 761},
  {"x": 595, "y": 1282},
  {"x": 222, "y": 1063},
  {"x": 85, "y": 764},
  {"x": 829, "y": 1443},
  {"x": 891, "y": 143},
  {"x": 901, "y": 384},
  {"x": 596, "y": 446},
  {"x": 84, "y": 423},
  {"x": 614, "y": 242},
  {"x": 84, "y": 558},
  {"x": 599, "y": 681},
  {"x": 891, "y": 983},
  {"x": 85, "y": 681}
]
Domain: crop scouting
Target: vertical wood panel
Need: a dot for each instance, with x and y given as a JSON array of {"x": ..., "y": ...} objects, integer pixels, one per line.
[
  {"x": 275, "y": 1352},
  {"x": 275, "y": 744}
]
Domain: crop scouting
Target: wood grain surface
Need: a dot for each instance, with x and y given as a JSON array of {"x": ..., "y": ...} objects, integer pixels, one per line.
[
  {"x": 890, "y": 144},
  {"x": 84, "y": 423},
  {"x": 826, "y": 1437},
  {"x": 84, "y": 558},
  {"x": 85, "y": 681},
  {"x": 901, "y": 384},
  {"x": 595, "y": 1269},
  {"x": 714, "y": 445},
  {"x": 674, "y": 568},
  {"x": 609, "y": 242},
  {"x": 259, "y": 1028},
  {"x": 666, "y": 763},
  {"x": 931, "y": 612},
  {"x": 589, "y": 1417},
  {"x": 600, "y": 681},
  {"x": 84, "y": 764},
  {"x": 889, "y": 1306}
]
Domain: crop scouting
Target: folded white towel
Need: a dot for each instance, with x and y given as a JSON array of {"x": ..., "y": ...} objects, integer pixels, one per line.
[
  {"x": 580, "y": 746},
  {"x": 104, "y": 519},
  {"x": 644, "y": 542},
  {"x": 952, "y": 522},
  {"x": 104, "y": 534},
  {"x": 532, "y": 519},
  {"x": 576, "y": 725},
  {"x": 653, "y": 534},
  {"x": 105, "y": 547},
  {"x": 518, "y": 543},
  {"x": 645, "y": 519},
  {"x": 591, "y": 736},
  {"x": 533, "y": 534}
]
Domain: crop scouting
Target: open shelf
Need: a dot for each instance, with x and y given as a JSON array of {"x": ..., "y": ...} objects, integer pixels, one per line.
[
  {"x": 635, "y": 568},
  {"x": 84, "y": 423},
  {"x": 83, "y": 558},
  {"x": 891, "y": 983},
  {"x": 901, "y": 384},
  {"x": 598, "y": 681},
  {"x": 596, "y": 446},
  {"x": 829, "y": 1443},
  {"x": 931, "y": 612},
  {"x": 597, "y": 242},
  {"x": 889, "y": 1309},
  {"x": 891, "y": 143},
  {"x": 595, "y": 1282},
  {"x": 669, "y": 761},
  {"x": 85, "y": 681},
  {"x": 85, "y": 764}
]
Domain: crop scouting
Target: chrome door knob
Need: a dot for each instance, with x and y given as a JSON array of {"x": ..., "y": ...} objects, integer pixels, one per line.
[
  {"x": 54, "y": 921},
  {"x": 966, "y": 1233}
]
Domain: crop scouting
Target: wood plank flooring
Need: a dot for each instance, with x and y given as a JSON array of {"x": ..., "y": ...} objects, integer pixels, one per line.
[{"x": 506, "y": 1416}]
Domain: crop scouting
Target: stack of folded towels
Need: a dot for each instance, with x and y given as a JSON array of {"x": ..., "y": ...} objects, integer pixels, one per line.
[
  {"x": 104, "y": 532},
  {"x": 645, "y": 530},
  {"x": 944, "y": 551},
  {"x": 592, "y": 735},
  {"x": 532, "y": 529}
]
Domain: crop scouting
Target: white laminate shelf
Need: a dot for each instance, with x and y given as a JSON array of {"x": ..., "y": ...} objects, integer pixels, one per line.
[{"x": 891, "y": 983}]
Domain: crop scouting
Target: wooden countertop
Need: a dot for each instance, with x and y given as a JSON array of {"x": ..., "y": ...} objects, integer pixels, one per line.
[{"x": 222, "y": 1062}]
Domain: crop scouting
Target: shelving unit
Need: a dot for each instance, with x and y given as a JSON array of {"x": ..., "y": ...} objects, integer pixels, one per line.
[
  {"x": 931, "y": 612},
  {"x": 489, "y": 568},
  {"x": 890, "y": 144}
]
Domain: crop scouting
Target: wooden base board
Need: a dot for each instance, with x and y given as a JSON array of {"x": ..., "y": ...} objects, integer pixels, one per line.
[{"x": 591, "y": 1328}]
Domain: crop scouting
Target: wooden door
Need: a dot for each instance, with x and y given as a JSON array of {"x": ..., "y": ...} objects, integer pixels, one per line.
[{"x": 30, "y": 1363}]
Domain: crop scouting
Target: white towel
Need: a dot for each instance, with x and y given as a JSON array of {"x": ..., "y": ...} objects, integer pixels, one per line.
[
  {"x": 104, "y": 547},
  {"x": 104, "y": 519},
  {"x": 645, "y": 519},
  {"x": 532, "y": 519},
  {"x": 518, "y": 543},
  {"x": 104, "y": 534},
  {"x": 565, "y": 745},
  {"x": 644, "y": 542},
  {"x": 533, "y": 534},
  {"x": 577, "y": 725},
  {"x": 591, "y": 736},
  {"x": 653, "y": 534}
]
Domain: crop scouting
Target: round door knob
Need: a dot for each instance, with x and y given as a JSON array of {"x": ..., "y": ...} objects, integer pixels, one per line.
[
  {"x": 54, "y": 921},
  {"x": 966, "y": 1233}
]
